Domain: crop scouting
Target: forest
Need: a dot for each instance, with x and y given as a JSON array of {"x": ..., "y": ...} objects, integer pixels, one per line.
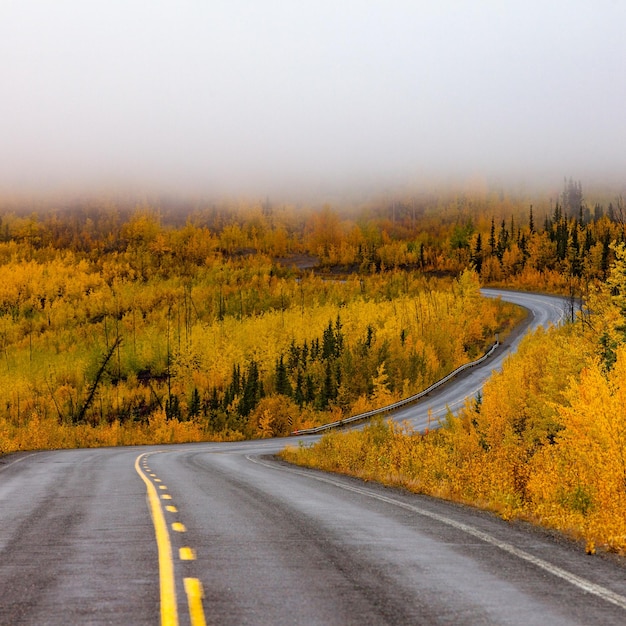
[{"x": 128, "y": 323}]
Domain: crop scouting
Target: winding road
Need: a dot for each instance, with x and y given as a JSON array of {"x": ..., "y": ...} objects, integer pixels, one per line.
[
  {"x": 222, "y": 533},
  {"x": 542, "y": 311}
]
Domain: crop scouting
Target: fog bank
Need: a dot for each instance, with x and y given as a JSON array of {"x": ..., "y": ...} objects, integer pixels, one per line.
[{"x": 309, "y": 98}]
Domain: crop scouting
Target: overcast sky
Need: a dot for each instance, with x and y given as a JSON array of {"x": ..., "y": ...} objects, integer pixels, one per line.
[{"x": 256, "y": 95}]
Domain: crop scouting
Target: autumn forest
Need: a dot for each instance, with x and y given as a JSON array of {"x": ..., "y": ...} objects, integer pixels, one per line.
[{"x": 130, "y": 323}]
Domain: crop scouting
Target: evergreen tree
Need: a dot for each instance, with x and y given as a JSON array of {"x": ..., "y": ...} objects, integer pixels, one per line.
[
  {"x": 503, "y": 241},
  {"x": 294, "y": 356},
  {"x": 309, "y": 389},
  {"x": 558, "y": 214},
  {"x": 523, "y": 246},
  {"x": 299, "y": 394},
  {"x": 606, "y": 251},
  {"x": 477, "y": 257},
  {"x": 339, "y": 339},
  {"x": 315, "y": 349},
  {"x": 492, "y": 237},
  {"x": 338, "y": 377},
  {"x": 194, "y": 403},
  {"x": 328, "y": 342},
  {"x": 283, "y": 386},
  {"x": 572, "y": 198},
  {"x": 228, "y": 398},
  {"x": 172, "y": 407},
  {"x": 328, "y": 391},
  {"x": 598, "y": 213},
  {"x": 561, "y": 237},
  {"x": 214, "y": 401},
  {"x": 589, "y": 240},
  {"x": 251, "y": 390},
  {"x": 611, "y": 212},
  {"x": 236, "y": 381},
  {"x": 574, "y": 253}
]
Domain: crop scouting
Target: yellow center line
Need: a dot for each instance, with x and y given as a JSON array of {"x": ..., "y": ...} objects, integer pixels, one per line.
[
  {"x": 179, "y": 527},
  {"x": 171, "y": 508},
  {"x": 193, "y": 588},
  {"x": 187, "y": 554},
  {"x": 169, "y": 610},
  {"x": 166, "y": 496}
]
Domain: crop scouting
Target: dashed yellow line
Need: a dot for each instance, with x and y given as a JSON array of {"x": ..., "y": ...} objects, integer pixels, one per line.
[
  {"x": 187, "y": 554},
  {"x": 193, "y": 588},
  {"x": 169, "y": 609}
]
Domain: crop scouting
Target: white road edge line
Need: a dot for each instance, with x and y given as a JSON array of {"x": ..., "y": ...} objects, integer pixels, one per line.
[
  {"x": 3, "y": 467},
  {"x": 577, "y": 581}
]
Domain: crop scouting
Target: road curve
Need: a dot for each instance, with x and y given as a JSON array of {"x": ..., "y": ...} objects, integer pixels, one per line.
[
  {"x": 542, "y": 310},
  {"x": 223, "y": 533}
]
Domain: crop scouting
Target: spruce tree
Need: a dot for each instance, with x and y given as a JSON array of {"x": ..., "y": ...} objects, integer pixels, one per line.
[
  {"x": 251, "y": 390},
  {"x": 283, "y": 386},
  {"x": 194, "y": 403},
  {"x": 492, "y": 237}
]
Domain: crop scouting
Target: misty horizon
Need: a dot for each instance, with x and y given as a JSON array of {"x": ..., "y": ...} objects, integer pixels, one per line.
[{"x": 309, "y": 99}]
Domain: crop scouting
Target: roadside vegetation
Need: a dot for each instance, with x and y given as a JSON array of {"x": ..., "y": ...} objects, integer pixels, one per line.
[
  {"x": 546, "y": 442},
  {"x": 152, "y": 324},
  {"x": 133, "y": 331}
]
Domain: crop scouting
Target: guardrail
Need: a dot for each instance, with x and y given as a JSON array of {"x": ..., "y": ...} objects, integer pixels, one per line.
[{"x": 400, "y": 403}]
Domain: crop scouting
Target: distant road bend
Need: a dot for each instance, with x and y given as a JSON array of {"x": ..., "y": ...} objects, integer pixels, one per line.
[
  {"x": 223, "y": 533},
  {"x": 542, "y": 311}
]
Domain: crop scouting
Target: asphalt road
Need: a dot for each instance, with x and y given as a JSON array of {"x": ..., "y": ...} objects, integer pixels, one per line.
[
  {"x": 224, "y": 534},
  {"x": 542, "y": 311}
]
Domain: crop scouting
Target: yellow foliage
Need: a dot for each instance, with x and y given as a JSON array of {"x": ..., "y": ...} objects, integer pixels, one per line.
[
  {"x": 185, "y": 306},
  {"x": 275, "y": 416},
  {"x": 546, "y": 442},
  {"x": 381, "y": 395}
]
